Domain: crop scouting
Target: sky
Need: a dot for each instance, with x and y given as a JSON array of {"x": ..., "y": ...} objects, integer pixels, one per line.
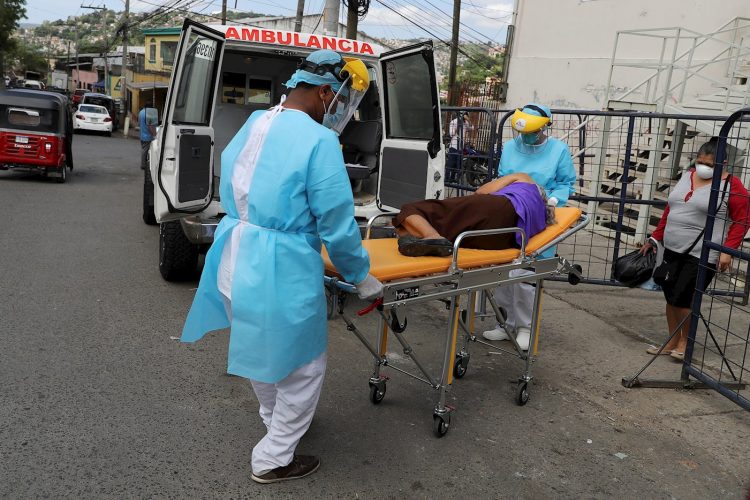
[{"x": 482, "y": 20}]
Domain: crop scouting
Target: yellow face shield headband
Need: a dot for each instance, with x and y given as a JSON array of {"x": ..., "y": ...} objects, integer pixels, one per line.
[
  {"x": 357, "y": 71},
  {"x": 527, "y": 123}
]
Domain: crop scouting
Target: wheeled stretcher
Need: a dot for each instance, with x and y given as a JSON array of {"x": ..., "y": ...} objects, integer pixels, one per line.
[{"x": 408, "y": 281}]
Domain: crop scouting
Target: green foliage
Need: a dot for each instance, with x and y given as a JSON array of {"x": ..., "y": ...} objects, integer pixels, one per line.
[
  {"x": 10, "y": 12},
  {"x": 27, "y": 58},
  {"x": 480, "y": 65}
]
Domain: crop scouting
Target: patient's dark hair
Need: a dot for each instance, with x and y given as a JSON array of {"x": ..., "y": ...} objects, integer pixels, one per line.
[{"x": 709, "y": 148}]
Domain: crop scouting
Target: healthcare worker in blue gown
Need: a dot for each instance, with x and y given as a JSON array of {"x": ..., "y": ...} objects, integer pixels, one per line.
[
  {"x": 285, "y": 190},
  {"x": 548, "y": 162}
]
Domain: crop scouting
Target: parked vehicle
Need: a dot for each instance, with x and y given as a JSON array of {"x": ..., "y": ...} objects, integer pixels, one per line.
[
  {"x": 224, "y": 73},
  {"x": 94, "y": 118},
  {"x": 103, "y": 100},
  {"x": 33, "y": 84},
  {"x": 78, "y": 94},
  {"x": 36, "y": 132}
]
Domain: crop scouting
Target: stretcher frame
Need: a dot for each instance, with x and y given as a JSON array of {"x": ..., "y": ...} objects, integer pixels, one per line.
[{"x": 450, "y": 286}]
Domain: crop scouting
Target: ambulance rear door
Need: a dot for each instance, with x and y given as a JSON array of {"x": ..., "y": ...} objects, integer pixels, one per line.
[
  {"x": 411, "y": 166},
  {"x": 183, "y": 176}
]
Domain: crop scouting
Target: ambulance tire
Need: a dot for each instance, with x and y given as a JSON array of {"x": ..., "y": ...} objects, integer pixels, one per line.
[
  {"x": 148, "y": 199},
  {"x": 178, "y": 257}
]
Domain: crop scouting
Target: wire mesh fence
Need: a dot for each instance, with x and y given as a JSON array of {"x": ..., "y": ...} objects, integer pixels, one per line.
[{"x": 719, "y": 336}]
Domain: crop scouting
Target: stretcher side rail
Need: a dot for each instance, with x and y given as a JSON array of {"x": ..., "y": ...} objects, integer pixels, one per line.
[
  {"x": 582, "y": 222},
  {"x": 371, "y": 222}
]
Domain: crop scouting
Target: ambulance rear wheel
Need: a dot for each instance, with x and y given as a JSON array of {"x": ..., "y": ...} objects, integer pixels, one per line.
[{"x": 178, "y": 257}]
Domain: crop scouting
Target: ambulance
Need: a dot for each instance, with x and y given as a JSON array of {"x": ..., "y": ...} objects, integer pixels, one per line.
[{"x": 391, "y": 147}]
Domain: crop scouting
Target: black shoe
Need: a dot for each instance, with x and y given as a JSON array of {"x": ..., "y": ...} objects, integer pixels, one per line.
[
  {"x": 299, "y": 467},
  {"x": 439, "y": 247}
]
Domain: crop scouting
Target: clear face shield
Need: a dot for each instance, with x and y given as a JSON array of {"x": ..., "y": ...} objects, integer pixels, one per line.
[
  {"x": 531, "y": 142},
  {"x": 342, "y": 107}
]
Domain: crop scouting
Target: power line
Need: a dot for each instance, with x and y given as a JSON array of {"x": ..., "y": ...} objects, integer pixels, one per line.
[{"x": 382, "y": 2}]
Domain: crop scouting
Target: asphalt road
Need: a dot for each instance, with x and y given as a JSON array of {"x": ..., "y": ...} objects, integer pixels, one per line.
[{"x": 99, "y": 400}]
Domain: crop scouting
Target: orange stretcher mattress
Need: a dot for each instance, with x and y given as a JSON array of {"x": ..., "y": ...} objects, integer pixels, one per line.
[{"x": 386, "y": 264}]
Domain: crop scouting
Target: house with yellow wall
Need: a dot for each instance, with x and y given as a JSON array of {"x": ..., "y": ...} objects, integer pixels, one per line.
[{"x": 149, "y": 79}]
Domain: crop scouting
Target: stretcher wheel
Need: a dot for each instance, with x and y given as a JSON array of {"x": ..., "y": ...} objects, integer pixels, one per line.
[
  {"x": 377, "y": 394},
  {"x": 522, "y": 393},
  {"x": 459, "y": 370},
  {"x": 574, "y": 279},
  {"x": 441, "y": 424}
]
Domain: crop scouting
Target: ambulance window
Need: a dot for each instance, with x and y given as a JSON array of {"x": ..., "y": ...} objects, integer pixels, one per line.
[
  {"x": 410, "y": 106},
  {"x": 198, "y": 73},
  {"x": 233, "y": 88},
  {"x": 259, "y": 91}
]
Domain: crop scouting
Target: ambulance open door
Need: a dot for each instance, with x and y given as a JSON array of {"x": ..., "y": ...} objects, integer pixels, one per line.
[
  {"x": 411, "y": 166},
  {"x": 183, "y": 173}
]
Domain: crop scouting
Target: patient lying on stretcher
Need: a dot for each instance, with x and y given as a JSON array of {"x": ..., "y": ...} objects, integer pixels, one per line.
[{"x": 430, "y": 227}]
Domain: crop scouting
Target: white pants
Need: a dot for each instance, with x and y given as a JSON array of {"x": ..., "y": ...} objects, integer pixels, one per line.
[
  {"x": 517, "y": 300},
  {"x": 287, "y": 408}
]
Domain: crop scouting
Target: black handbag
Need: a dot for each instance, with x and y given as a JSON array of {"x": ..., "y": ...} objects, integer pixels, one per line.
[
  {"x": 667, "y": 272},
  {"x": 634, "y": 268}
]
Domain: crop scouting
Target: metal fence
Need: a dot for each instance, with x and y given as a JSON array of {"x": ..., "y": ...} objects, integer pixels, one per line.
[{"x": 718, "y": 339}]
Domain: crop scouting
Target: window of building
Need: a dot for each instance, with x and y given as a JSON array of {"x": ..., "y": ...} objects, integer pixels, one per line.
[
  {"x": 152, "y": 50},
  {"x": 167, "y": 51}
]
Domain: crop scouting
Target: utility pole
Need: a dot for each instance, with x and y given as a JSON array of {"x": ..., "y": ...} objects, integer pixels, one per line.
[
  {"x": 300, "y": 13},
  {"x": 452, "y": 94},
  {"x": 69, "y": 73},
  {"x": 223, "y": 12},
  {"x": 331, "y": 17},
  {"x": 352, "y": 18},
  {"x": 124, "y": 69},
  {"x": 104, "y": 37},
  {"x": 509, "y": 36}
]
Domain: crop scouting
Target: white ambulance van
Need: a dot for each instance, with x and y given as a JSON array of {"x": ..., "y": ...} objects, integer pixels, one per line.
[{"x": 392, "y": 146}]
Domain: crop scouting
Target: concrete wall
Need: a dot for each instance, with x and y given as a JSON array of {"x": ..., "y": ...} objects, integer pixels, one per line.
[{"x": 563, "y": 48}]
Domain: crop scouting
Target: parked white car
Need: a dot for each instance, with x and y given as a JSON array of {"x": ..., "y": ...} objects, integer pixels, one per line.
[{"x": 92, "y": 117}]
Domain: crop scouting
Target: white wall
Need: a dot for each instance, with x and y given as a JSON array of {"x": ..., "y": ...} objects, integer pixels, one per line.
[{"x": 563, "y": 48}]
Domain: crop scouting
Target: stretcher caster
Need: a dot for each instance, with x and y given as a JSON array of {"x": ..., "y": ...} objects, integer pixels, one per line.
[
  {"x": 522, "y": 393},
  {"x": 461, "y": 365},
  {"x": 377, "y": 391},
  {"x": 441, "y": 424},
  {"x": 574, "y": 278}
]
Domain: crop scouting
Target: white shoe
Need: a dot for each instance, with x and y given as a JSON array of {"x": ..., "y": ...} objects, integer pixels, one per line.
[
  {"x": 497, "y": 333},
  {"x": 523, "y": 335}
]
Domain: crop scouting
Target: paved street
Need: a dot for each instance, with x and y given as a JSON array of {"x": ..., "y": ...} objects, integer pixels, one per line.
[{"x": 99, "y": 400}]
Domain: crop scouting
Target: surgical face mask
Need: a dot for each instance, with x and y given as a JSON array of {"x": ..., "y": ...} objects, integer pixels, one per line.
[
  {"x": 704, "y": 171},
  {"x": 331, "y": 120},
  {"x": 530, "y": 139}
]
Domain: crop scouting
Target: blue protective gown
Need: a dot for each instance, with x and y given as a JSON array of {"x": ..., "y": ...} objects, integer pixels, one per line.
[
  {"x": 299, "y": 196},
  {"x": 551, "y": 167}
]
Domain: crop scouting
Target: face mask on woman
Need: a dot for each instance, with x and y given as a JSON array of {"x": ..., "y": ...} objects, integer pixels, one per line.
[
  {"x": 530, "y": 139},
  {"x": 704, "y": 171}
]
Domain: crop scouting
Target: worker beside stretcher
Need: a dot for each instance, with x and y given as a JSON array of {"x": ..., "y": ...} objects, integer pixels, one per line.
[{"x": 430, "y": 227}]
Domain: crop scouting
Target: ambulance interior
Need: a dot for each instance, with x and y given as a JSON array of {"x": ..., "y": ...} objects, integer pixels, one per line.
[{"x": 250, "y": 82}]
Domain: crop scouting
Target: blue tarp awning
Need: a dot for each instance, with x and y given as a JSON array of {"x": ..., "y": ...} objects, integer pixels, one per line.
[{"x": 99, "y": 84}]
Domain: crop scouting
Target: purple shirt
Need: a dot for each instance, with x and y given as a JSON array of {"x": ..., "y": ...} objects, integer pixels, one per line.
[{"x": 529, "y": 205}]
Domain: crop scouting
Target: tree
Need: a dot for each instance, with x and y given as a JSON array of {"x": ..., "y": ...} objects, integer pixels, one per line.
[
  {"x": 10, "y": 12},
  {"x": 480, "y": 65}
]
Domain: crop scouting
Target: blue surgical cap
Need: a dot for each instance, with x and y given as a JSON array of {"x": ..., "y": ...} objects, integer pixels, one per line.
[
  {"x": 323, "y": 56},
  {"x": 534, "y": 112}
]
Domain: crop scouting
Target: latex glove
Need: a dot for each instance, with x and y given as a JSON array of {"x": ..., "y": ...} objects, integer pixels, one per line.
[
  {"x": 552, "y": 201},
  {"x": 369, "y": 288}
]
